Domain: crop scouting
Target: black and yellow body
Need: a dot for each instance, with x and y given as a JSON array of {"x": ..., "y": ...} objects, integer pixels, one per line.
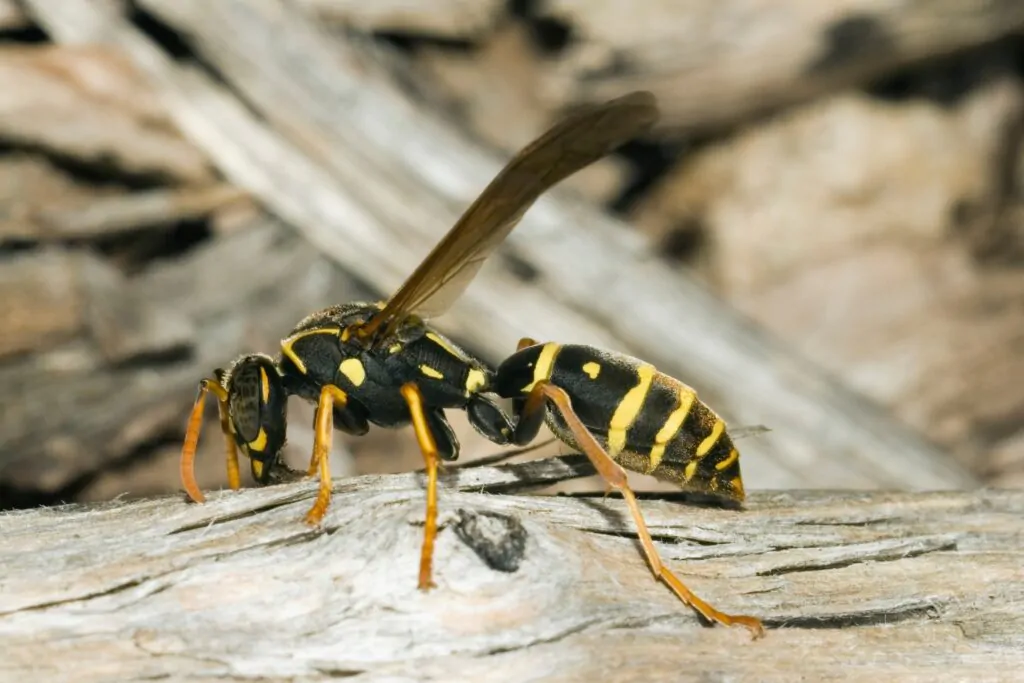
[
  {"x": 646, "y": 420},
  {"x": 318, "y": 353},
  {"x": 380, "y": 363}
]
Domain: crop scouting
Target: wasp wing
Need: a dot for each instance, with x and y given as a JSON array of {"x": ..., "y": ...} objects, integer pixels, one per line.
[{"x": 576, "y": 141}]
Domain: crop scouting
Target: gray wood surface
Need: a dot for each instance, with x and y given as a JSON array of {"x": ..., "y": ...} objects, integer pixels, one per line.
[
  {"x": 316, "y": 130},
  {"x": 853, "y": 586}
]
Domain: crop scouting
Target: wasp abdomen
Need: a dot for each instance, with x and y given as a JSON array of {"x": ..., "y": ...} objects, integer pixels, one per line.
[{"x": 648, "y": 421}]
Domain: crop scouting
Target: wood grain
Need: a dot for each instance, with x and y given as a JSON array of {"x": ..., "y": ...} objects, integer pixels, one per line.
[
  {"x": 854, "y": 587},
  {"x": 373, "y": 180}
]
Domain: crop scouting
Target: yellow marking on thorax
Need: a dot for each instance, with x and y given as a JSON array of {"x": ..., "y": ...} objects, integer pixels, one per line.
[
  {"x": 592, "y": 369},
  {"x": 475, "y": 381},
  {"x": 394, "y": 348},
  {"x": 545, "y": 364},
  {"x": 689, "y": 471},
  {"x": 672, "y": 425},
  {"x": 707, "y": 443},
  {"x": 353, "y": 370},
  {"x": 444, "y": 344},
  {"x": 733, "y": 455},
  {"x": 286, "y": 346},
  {"x": 628, "y": 409},
  {"x": 260, "y": 442},
  {"x": 431, "y": 372},
  {"x": 264, "y": 385},
  {"x": 257, "y": 468}
]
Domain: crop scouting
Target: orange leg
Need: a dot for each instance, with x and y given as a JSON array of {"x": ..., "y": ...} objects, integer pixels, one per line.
[
  {"x": 321, "y": 460},
  {"x": 412, "y": 396},
  {"x": 616, "y": 477},
  {"x": 195, "y": 425}
]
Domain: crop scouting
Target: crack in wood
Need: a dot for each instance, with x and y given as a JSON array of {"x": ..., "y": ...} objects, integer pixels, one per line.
[
  {"x": 863, "y": 553},
  {"x": 547, "y": 640},
  {"x": 241, "y": 514},
  {"x": 106, "y": 592},
  {"x": 931, "y": 610}
]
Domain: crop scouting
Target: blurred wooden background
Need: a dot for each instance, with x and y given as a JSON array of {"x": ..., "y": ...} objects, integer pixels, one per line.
[{"x": 824, "y": 235}]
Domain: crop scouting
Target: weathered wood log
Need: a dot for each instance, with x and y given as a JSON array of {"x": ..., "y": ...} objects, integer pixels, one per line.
[
  {"x": 853, "y": 586},
  {"x": 700, "y": 57},
  {"x": 373, "y": 180}
]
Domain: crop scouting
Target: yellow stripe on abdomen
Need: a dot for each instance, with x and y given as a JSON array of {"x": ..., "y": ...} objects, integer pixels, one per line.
[
  {"x": 711, "y": 440},
  {"x": 545, "y": 364},
  {"x": 672, "y": 425},
  {"x": 628, "y": 409}
]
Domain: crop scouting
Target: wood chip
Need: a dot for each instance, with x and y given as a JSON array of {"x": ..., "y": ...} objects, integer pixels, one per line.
[
  {"x": 86, "y": 103},
  {"x": 465, "y": 19},
  {"x": 12, "y": 16},
  {"x": 133, "y": 211},
  {"x": 40, "y": 301}
]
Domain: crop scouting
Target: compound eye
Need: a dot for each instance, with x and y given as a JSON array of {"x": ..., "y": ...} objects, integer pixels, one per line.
[
  {"x": 257, "y": 402},
  {"x": 245, "y": 400}
]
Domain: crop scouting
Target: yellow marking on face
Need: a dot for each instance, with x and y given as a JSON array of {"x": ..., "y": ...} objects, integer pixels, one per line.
[
  {"x": 707, "y": 443},
  {"x": 444, "y": 344},
  {"x": 257, "y": 468},
  {"x": 592, "y": 369},
  {"x": 353, "y": 370},
  {"x": 689, "y": 471},
  {"x": 431, "y": 372},
  {"x": 475, "y": 381},
  {"x": 287, "y": 350},
  {"x": 264, "y": 385},
  {"x": 545, "y": 364},
  {"x": 260, "y": 442},
  {"x": 737, "y": 487},
  {"x": 628, "y": 409},
  {"x": 733, "y": 454},
  {"x": 394, "y": 348},
  {"x": 672, "y": 425}
]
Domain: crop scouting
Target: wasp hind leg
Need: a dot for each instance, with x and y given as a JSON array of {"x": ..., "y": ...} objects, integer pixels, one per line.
[
  {"x": 195, "y": 425},
  {"x": 330, "y": 396},
  {"x": 613, "y": 473}
]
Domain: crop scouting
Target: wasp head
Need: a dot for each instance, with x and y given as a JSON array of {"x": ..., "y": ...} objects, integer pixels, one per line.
[{"x": 256, "y": 401}]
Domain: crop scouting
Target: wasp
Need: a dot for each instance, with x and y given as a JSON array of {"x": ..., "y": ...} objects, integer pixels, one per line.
[{"x": 383, "y": 364}]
